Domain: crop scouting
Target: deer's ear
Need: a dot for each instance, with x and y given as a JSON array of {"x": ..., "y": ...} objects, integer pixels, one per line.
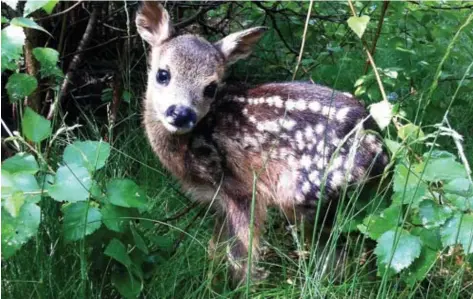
[
  {"x": 239, "y": 45},
  {"x": 153, "y": 23}
]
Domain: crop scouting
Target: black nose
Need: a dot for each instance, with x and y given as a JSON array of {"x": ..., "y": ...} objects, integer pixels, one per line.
[{"x": 181, "y": 116}]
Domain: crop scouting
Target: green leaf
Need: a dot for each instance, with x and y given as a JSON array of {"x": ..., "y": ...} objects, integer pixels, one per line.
[
  {"x": 35, "y": 127},
  {"x": 445, "y": 161},
  {"x": 33, "y": 5},
  {"x": 20, "y": 86},
  {"x": 127, "y": 284},
  {"x": 126, "y": 96},
  {"x": 72, "y": 184},
  {"x": 116, "y": 250},
  {"x": 80, "y": 220},
  {"x": 116, "y": 218},
  {"x": 462, "y": 203},
  {"x": 126, "y": 193},
  {"x": 410, "y": 131},
  {"x": 459, "y": 230},
  {"x": 13, "y": 40},
  {"x": 48, "y": 59},
  {"x": 459, "y": 186},
  {"x": 12, "y": 204},
  {"x": 407, "y": 187},
  {"x": 139, "y": 242},
  {"x": 17, "y": 231},
  {"x": 376, "y": 225},
  {"x": 49, "y": 7},
  {"x": 14, "y": 184},
  {"x": 433, "y": 214},
  {"x": 21, "y": 163},
  {"x": 397, "y": 250},
  {"x": 421, "y": 266},
  {"x": 5, "y": 20},
  {"x": 358, "y": 24},
  {"x": 382, "y": 112},
  {"x": 28, "y": 23},
  {"x": 429, "y": 237},
  {"x": 90, "y": 154}
]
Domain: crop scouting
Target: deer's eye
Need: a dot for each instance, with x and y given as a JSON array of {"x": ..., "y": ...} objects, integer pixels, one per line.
[
  {"x": 210, "y": 90},
  {"x": 163, "y": 77}
]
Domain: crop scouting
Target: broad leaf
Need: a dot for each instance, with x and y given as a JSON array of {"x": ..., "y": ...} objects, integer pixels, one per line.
[
  {"x": 48, "y": 59},
  {"x": 13, "y": 39},
  {"x": 421, "y": 266},
  {"x": 358, "y": 24},
  {"x": 17, "y": 231},
  {"x": 459, "y": 186},
  {"x": 90, "y": 154},
  {"x": 116, "y": 250},
  {"x": 18, "y": 188},
  {"x": 376, "y": 225},
  {"x": 80, "y": 220},
  {"x": 444, "y": 161},
  {"x": 126, "y": 193},
  {"x": 410, "y": 131},
  {"x": 397, "y": 250},
  {"x": 20, "y": 86},
  {"x": 33, "y": 5},
  {"x": 28, "y": 23},
  {"x": 21, "y": 163},
  {"x": 49, "y": 7},
  {"x": 139, "y": 242},
  {"x": 72, "y": 184},
  {"x": 432, "y": 214},
  {"x": 35, "y": 127},
  {"x": 127, "y": 284},
  {"x": 459, "y": 230},
  {"x": 407, "y": 187},
  {"x": 429, "y": 237},
  {"x": 462, "y": 203},
  {"x": 116, "y": 218}
]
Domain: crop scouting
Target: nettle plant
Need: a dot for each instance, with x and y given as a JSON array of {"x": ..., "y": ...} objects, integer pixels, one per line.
[
  {"x": 33, "y": 176},
  {"x": 430, "y": 213}
]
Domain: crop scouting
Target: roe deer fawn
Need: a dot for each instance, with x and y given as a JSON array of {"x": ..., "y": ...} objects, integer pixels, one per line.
[{"x": 306, "y": 142}]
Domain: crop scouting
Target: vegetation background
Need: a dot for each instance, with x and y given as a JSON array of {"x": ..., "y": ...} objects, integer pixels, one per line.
[{"x": 87, "y": 210}]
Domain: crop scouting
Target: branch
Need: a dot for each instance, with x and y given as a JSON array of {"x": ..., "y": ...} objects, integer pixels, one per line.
[
  {"x": 75, "y": 61},
  {"x": 378, "y": 32}
]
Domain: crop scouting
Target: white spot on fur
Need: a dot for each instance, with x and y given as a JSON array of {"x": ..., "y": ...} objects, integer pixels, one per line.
[
  {"x": 278, "y": 102},
  {"x": 290, "y": 105},
  {"x": 261, "y": 100},
  {"x": 245, "y": 111},
  {"x": 328, "y": 111},
  {"x": 314, "y": 106},
  {"x": 298, "y": 135},
  {"x": 292, "y": 161},
  {"x": 347, "y": 94},
  {"x": 252, "y": 119},
  {"x": 314, "y": 177},
  {"x": 337, "y": 178},
  {"x": 309, "y": 133},
  {"x": 306, "y": 187},
  {"x": 319, "y": 128},
  {"x": 287, "y": 123},
  {"x": 306, "y": 161},
  {"x": 342, "y": 114},
  {"x": 301, "y": 105}
]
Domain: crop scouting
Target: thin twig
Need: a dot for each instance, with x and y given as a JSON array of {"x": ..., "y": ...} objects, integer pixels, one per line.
[
  {"x": 61, "y": 12},
  {"x": 75, "y": 61},
  {"x": 303, "y": 39},
  {"x": 378, "y": 32}
]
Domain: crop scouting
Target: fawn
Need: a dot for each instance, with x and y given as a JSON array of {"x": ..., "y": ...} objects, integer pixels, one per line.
[{"x": 305, "y": 142}]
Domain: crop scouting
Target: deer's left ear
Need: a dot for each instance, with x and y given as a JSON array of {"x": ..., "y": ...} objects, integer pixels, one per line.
[{"x": 238, "y": 45}]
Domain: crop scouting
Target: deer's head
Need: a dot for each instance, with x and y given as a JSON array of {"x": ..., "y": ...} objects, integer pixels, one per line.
[{"x": 185, "y": 71}]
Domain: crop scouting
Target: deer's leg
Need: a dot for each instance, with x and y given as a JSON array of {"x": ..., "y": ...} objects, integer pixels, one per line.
[{"x": 243, "y": 235}]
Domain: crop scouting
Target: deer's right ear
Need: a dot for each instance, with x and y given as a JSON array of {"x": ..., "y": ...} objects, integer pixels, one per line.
[{"x": 153, "y": 23}]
